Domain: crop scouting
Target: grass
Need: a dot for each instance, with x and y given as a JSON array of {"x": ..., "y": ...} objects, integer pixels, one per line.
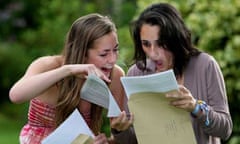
[
  {"x": 9, "y": 131},
  {"x": 12, "y": 119}
]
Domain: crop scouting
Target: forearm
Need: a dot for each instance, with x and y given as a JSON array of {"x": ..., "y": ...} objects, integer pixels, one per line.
[
  {"x": 32, "y": 86},
  {"x": 220, "y": 124}
]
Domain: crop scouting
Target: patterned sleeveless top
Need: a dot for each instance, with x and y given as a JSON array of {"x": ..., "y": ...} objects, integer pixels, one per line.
[{"x": 41, "y": 122}]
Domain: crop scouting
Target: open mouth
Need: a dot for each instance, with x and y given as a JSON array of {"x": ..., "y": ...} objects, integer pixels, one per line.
[
  {"x": 159, "y": 65},
  {"x": 106, "y": 71}
]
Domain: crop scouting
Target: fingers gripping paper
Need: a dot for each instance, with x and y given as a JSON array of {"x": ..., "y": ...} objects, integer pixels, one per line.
[
  {"x": 155, "y": 121},
  {"x": 96, "y": 91}
]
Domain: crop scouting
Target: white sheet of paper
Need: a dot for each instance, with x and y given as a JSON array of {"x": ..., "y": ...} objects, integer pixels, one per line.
[
  {"x": 159, "y": 82},
  {"x": 73, "y": 126},
  {"x": 96, "y": 91}
]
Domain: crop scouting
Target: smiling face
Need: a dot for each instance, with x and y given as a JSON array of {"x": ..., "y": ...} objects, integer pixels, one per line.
[
  {"x": 104, "y": 53},
  {"x": 162, "y": 57}
]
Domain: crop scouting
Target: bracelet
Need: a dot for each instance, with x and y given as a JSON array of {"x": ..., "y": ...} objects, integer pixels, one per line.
[
  {"x": 196, "y": 109},
  {"x": 201, "y": 105},
  {"x": 204, "y": 107}
]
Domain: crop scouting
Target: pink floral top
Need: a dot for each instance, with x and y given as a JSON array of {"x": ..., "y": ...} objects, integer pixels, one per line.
[{"x": 41, "y": 122}]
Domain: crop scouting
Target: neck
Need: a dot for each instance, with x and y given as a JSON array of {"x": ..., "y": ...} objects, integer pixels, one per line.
[{"x": 180, "y": 79}]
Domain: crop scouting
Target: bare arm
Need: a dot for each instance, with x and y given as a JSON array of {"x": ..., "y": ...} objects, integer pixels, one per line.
[
  {"x": 40, "y": 75},
  {"x": 44, "y": 73}
]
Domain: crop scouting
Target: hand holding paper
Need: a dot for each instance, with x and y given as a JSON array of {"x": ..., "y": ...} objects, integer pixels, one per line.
[
  {"x": 155, "y": 121},
  {"x": 96, "y": 91}
]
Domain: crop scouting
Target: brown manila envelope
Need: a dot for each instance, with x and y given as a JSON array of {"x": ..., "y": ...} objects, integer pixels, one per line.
[{"x": 155, "y": 121}]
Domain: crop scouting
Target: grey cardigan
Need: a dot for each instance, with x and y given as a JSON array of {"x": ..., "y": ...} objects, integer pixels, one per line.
[{"x": 204, "y": 79}]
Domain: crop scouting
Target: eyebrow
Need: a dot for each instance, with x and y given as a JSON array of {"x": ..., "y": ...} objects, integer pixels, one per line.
[
  {"x": 147, "y": 40},
  {"x": 107, "y": 50}
]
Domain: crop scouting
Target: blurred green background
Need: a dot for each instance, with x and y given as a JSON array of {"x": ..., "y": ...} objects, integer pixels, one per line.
[{"x": 29, "y": 29}]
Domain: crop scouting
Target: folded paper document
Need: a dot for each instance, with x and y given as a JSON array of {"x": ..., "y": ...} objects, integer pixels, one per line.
[
  {"x": 83, "y": 139},
  {"x": 73, "y": 129},
  {"x": 155, "y": 121},
  {"x": 96, "y": 91}
]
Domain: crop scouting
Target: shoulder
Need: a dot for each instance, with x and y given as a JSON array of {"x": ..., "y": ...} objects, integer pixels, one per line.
[
  {"x": 206, "y": 57},
  {"x": 118, "y": 71},
  {"x": 48, "y": 60},
  {"x": 202, "y": 60},
  {"x": 134, "y": 71},
  {"x": 203, "y": 63},
  {"x": 45, "y": 63}
]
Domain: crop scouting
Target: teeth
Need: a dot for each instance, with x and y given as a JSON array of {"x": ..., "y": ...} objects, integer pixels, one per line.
[{"x": 108, "y": 67}]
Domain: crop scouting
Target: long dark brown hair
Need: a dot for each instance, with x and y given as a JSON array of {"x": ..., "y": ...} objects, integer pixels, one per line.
[
  {"x": 81, "y": 36},
  {"x": 173, "y": 35}
]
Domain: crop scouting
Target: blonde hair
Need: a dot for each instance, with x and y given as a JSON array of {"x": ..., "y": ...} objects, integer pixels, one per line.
[{"x": 80, "y": 38}]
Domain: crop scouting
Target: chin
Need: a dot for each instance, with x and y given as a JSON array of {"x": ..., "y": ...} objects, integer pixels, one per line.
[
  {"x": 107, "y": 74},
  {"x": 161, "y": 70}
]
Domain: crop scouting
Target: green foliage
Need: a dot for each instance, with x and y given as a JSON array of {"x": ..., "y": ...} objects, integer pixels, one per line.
[
  {"x": 56, "y": 18},
  {"x": 9, "y": 130},
  {"x": 126, "y": 48},
  {"x": 11, "y": 122},
  {"x": 123, "y": 16},
  {"x": 13, "y": 61}
]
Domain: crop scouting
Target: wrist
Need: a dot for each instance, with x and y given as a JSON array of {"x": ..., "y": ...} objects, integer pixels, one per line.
[
  {"x": 197, "y": 109},
  {"x": 65, "y": 70},
  {"x": 201, "y": 108}
]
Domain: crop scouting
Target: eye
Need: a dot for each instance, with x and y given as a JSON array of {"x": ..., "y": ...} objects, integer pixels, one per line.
[
  {"x": 146, "y": 43},
  {"x": 103, "y": 55},
  {"x": 160, "y": 43},
  {"x": 116, "y": 50}
]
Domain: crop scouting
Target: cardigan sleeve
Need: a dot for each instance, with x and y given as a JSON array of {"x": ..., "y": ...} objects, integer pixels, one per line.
[
  {"x": 125, "y": 137},
  {"x": 219, "y": 115}
]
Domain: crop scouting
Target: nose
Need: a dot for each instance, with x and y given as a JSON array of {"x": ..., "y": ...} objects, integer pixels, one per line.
[
  {"x": 153, "y": 52},
  {"x": 112, "y": 58}
]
